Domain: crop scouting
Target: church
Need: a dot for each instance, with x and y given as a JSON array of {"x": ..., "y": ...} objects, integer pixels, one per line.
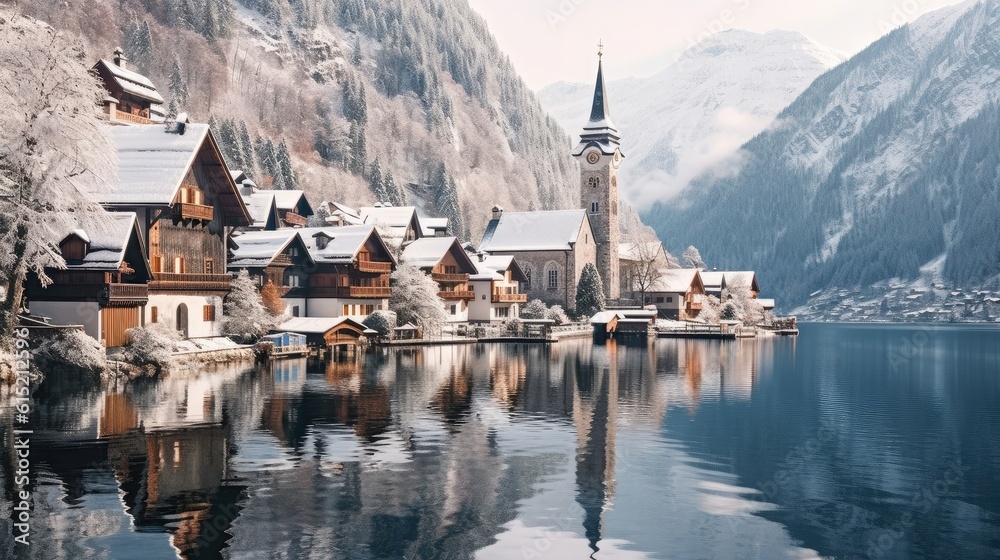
[{"x": 552, "y": 247}]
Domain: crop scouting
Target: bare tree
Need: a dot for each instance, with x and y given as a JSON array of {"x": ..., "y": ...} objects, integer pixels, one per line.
[
  {"x": 54, "y": 154},
  {"x": 643, "y": 264}
]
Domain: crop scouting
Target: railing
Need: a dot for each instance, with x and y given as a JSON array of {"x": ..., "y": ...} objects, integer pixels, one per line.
[
  {"x": 454, "y": 278},
  {"x": 293, "y": 219},
  {"x": 510, "y": 298},
  {"x": 374, "y": 266},
  {"x": 457, "y": 294},
  {"x": 129, "y": 117},
  {"x": 361, "y": 292},
  {"x": 189, "y": 211},
  {"x": 128, "y": 292},
  {"x": 184, "y": 281},
  {"x": 370, "y": 291}
]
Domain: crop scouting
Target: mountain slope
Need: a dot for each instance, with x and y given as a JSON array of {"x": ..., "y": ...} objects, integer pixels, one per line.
[
  {"x": 700, "y": 109},
  {"x": 887, "y": 163},
  {"x": 419, "y": 87}
]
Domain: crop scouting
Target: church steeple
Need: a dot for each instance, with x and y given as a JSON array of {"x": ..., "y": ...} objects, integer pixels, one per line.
[{"x": 599, "y": 130}]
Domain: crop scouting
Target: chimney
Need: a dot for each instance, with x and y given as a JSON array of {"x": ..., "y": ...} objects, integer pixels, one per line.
[
  {"x": 120, "y": 60},
  {"x": 497, "y": 212}
]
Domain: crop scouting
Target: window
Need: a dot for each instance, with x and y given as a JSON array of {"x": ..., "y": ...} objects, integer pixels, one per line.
[
  {"x": 178, "y": 265},
  {"x": 670, "y": 299},
  {"x": 594, "y": 207},
  {"x": 156, "y": 263},
  {"x": 293, "y": 251},
  {"x": 503, "y": 312},
  {"x": 450, "y": 269},
  {"x": 553, "y": 279},
  {"x": 347, "y": 310},
  {"x": 454, "y": 310},
  {"x": 527, "y": 278},
  {"x": 594, "y": 182},
  {"x": 292, "y": 281},
  {"x": 484, "y": 297},
  {"x": 208, "y": 313},
  {"x": 154, "y": 315},
  {"x": 209, "y": 266},
  {"x": 659, "y": 299},
  {"x": 295, "y": 311}
]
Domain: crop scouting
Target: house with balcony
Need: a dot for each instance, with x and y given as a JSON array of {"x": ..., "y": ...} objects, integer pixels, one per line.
[
  {"x": 450, "y": 266},
  {"x": 174, "y": 179},
  {"x": 293, "y": 208},
  {"x": 399, "y": 224},
  {"x": 279, "y": 257},
  {"x": 131, "y": 97},
  {"x": 677, "y": 293},
  {"x": 260, "y": 204},
  {"x": 103, "y": 287},
  {"x": 497, "y": 286},
  {"x": 349, "y": 275},
  {"x": 718, "y": 280}
]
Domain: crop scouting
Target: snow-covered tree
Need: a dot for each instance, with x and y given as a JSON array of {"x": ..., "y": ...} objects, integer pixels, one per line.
[
  {"x": 178, "y": 90},
  {"x": 534, "y": 309},
  {"x": 558, "y": 314},
  {"x": 381, "y": 321},
  {"x": 318, "y": 219},
  {"x": 645, "y": 265},
  {"x": 54, "y": 153},
  {"x": 139, "y": 45},
  {"x": 748, "y": 309},
  {"x": 152, "y": 345},
  {"x": 415, "y": 299},
  {"x": 692, "y": 258},
  {"x": 589, "y": 292},
  {"x": 70, "y": 348},
  {"x": 246, "y": 319}
]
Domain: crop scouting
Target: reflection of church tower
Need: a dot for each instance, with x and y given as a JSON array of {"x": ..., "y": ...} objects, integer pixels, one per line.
[
  {"x": 599, "y": 155},
  {"x": 596, "y": 420}
]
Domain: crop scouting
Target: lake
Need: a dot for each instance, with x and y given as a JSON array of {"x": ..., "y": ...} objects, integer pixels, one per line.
[{"x": 851, "y": 441}]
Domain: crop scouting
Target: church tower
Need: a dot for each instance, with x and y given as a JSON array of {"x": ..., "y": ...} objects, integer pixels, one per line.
[{"x": 600, "y": 155}]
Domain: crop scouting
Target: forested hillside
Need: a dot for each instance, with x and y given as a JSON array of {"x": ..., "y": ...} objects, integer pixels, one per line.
[
  {"x": 886, "y": 168},
  {"x": 404, "y": 101}
]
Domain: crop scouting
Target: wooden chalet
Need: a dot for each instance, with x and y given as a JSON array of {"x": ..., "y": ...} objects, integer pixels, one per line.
[
  {"x": 450, "y": 266},
  {"x": 350, "y": 274},
  {"x": 173, "y": 177},
  {"x": 337, "y": 333},
  {"x": 677, "y": 293},
  {"x": 497, "y": 286},
  {"x": 103, "y": 287},
  {"x": 293, "y": 207},
  {"x": 279, "y": 257},
  {"x": 399, "y": 223},
  {"x": 261, "y": 206},
  {"x": 131, "y": 97}
]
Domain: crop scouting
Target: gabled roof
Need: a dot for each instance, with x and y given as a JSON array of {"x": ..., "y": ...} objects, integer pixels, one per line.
[
  {"x": 637, "y": 251},
  {"x": 293, "y": 200},
  {"x": 713, "y": 280},
  {"x": 343, "y": 243},
  {"x": 132, "y": 82},
  {"x": 152, "y": 164},
  {"x": 497, "y": 264},
  {"x": 554, "y": 230},
  {"x": 677, "y": 280},
  {"x": 396, "y": 218},
  {"x": 255, "y": 249},
  {"x": 433, "y": 225},
  {"x": 427, "y": 252},
  {"x": 318, "y": 325},
  {"x": 262, "y": 209},
  {"x": 747, "y": 277},
  {"x": 107, "y": 235}
]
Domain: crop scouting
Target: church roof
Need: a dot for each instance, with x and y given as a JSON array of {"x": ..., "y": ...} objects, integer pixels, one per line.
[
  {"x": 553, "y": 230},
  {"x": 599, "y": 131}
]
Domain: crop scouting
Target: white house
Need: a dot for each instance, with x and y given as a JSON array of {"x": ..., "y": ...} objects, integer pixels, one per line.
[
  {"x": 450, "y": 266},
  {"x": 497, "y": 288}
]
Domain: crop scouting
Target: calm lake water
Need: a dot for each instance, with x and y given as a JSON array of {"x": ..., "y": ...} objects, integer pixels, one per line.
[{"x": 849, "y": 442}]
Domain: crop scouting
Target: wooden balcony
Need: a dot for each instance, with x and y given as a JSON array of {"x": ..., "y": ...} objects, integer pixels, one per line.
[
  {"x": 374, "y": 266},
  {"x": 189, "y": 211},
  {"x": 356, "y": 292},
  {"x": 694, "y": 306},
  {"x": 449, "y": 278},
  {"x": 166, "y": 281},
  {"x": 294, "y": 220},
  {"x": 378, "y": 292},
  {"x": 458, "y": 294},
  {"x": 128, "y": 293},
  {"x": 129, "y": 117},
  {"x": 510, "y": 298}
]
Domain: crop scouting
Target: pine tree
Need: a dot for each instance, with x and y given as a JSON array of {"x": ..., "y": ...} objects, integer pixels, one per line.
[
  {"x": 589, "y": 292},
  {"x": 375, "y": 182},
  {"x": 284, "y": 169},
  {"x": 229, "y": 144},
  {"x": 266, "y": 161},
  {"x": 139, "y": 45},
  {"x": 246, "y": 145},
  {"x": 357, "y": 158},
  {"x": 178, "y": 89}
]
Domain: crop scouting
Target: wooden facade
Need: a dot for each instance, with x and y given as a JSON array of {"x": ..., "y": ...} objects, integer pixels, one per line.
[{"x": 365, "y": 277}]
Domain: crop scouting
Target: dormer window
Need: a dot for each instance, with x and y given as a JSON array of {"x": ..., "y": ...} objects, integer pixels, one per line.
[{"x": 322, "y": 240}]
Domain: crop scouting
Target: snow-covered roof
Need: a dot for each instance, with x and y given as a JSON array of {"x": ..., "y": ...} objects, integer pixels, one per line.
[
  {"x": 713, "y": 280},
  {"x": 427, "y": 252},
  {"x": 397, "y": 219},
  {"x": 767, "y": 304},
  {"x": 342, "y": 245},
  {"x": 433, "y": 225},
  {"x": 553, "y": 230},
  {"x": 317, "y": 325},
  {"x": 133, "y": 82},
  {"x": 676, "y": 280},
  {"x": 106, "y": 233},
  {"x": 485, "y": 272},
  {"x": 261, "y": 207},
  {"x": 290, "y": 200},
  {"x": 258, "y": 248},
  {"x": 638, "y": 251}
]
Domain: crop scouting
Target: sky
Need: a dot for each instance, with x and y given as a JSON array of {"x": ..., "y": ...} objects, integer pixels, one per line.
[{"x": 556, "y": 40}]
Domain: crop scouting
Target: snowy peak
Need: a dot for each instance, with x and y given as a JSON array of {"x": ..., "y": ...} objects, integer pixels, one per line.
[{"x": 698, "y": 110}]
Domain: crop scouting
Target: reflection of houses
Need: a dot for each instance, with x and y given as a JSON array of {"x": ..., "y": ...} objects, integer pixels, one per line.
[
  {"x": 449, "y": 265},
  {"x": 131, "y": 98},
  {"x": 175, "y": 180},
  {"x": 551, "y": 247},
  {"x": 497, "y": 287},
  {"x": 677, "y": 293},
  {"x": 279, "y": 257},
  {"x": 350, "y": 275},
  {"x": 103, "y": 287},
  {"x": 293, "y": 208}
]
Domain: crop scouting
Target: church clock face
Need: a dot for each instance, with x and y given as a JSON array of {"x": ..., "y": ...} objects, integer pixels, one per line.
[{"x": 593, "y": 158}]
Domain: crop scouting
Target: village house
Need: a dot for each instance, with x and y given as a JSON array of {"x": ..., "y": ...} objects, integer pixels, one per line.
[
  {"x": 640, "y": 264},
  {"x": 132, "y": 98},
  {"x": 349, "y": 275},
  {"x": 260, "y": 204},
  {"x": 677, "y": 293},
  {"x": 400, "y": 224},
  {"x": 279, "y": 257},
  {"x": 434, "y": 227},
  {"x": 450, "y": 266},
  {"x": 293, "y": 207},
  {"x": 718, "y": 280},
  {"x": 103, "y": 287},
  {"x": 174, "y": 179},
  {"x": 551, "y": 247},
  {"x": 497, "y": 286}
]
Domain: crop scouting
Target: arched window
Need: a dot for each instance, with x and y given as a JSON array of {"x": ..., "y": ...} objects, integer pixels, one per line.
[
  {"x": 527, "y": 275},
  {"x": 551, "y": 276}
]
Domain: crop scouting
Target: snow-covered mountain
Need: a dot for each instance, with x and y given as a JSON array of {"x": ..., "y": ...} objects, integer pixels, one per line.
[
  {"x": 886, "y": 170},
  {"x": 700, "y": 109}
]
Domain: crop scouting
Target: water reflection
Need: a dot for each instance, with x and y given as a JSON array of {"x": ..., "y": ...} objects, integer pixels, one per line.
[{"x": 675, "y": 449}]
